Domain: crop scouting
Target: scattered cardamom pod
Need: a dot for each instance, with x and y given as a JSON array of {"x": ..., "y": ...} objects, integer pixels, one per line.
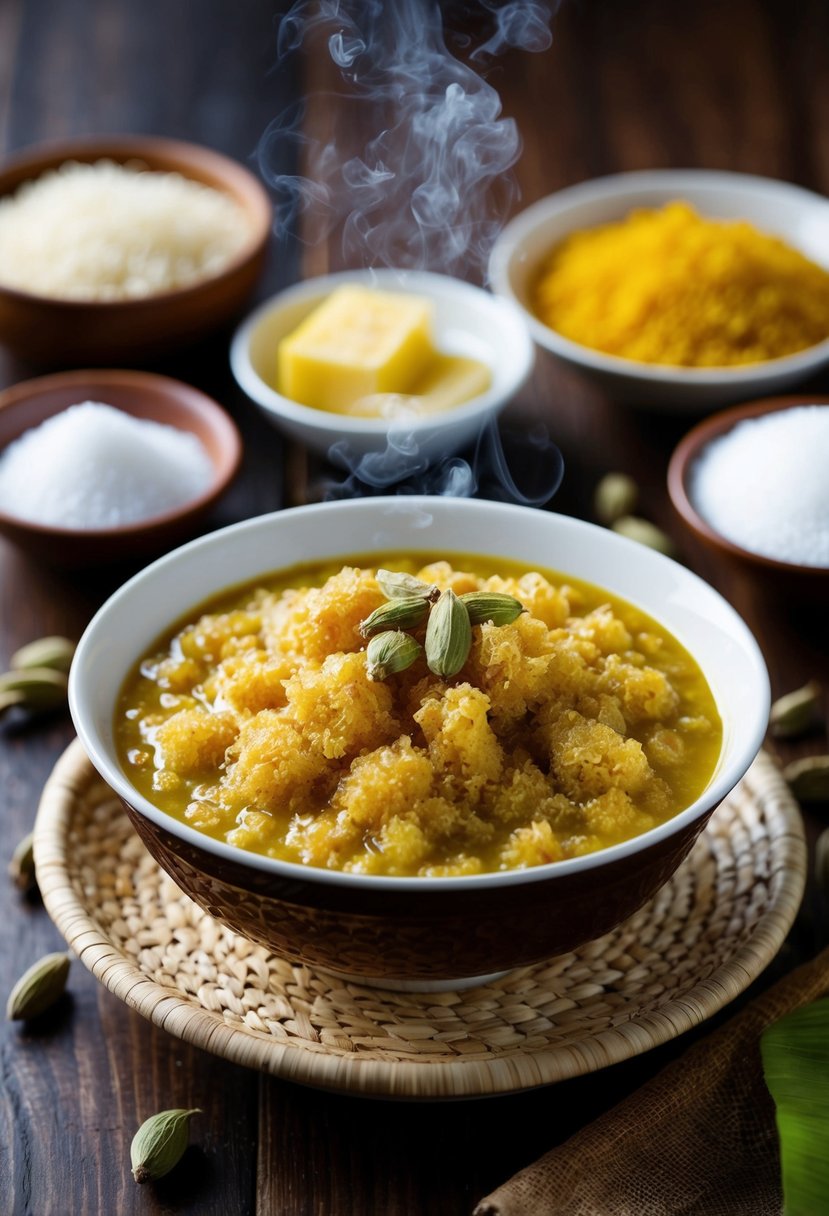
[
  {"x": 794, "y": 713},
  {"x": 54, "y": 652},
  {"x": 822, "y": 862},
  {"x": 22, "y": 865},
  {"x": 35, "y": 688},
  {"x": 448, "y": 636},
  {"x": 400, "y": 613},
  {"x": 390, "y": 652},
  {"x": 616, "y": 495},
  {"x": 38, "y": 988},
  {"x": 491, "y": 607},
  {"x": 159, "y": 1143},
  {"x": 646, "y": 533},
  {"x": 808, "y": 778},
  {"x": 398, "y": 586}
]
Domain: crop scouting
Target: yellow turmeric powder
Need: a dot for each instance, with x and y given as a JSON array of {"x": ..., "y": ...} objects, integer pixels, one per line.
[{"x": 669, "y": 286}]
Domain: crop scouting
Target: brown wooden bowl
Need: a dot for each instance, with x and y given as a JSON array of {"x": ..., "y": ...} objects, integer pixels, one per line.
[
  {"x": 63, "y": 332},
  {"x": 143, "y": 395},
  {"x": 776, "y": 577}
]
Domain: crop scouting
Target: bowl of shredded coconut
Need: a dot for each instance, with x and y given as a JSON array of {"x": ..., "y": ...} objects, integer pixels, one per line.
[
  {"x": 751, "y": 482},
  {"x": 121, "y": 246},
  {"x": 104, "y": 466}
]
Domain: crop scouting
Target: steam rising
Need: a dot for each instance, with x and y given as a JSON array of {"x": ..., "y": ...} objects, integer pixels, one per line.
[
  {"x": 416, "y": 175},
  {"x": 432, "y": 184},
  {"x": 403, "y": 469}
]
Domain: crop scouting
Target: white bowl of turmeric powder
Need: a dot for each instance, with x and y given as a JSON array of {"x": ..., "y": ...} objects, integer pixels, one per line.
[{"x": 676, "y": 289}]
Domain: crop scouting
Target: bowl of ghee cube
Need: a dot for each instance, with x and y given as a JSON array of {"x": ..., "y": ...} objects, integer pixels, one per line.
[
  {"x": 492, "y": 768},
  {"x": 363, "y": 360},
  {"x": 675, "y": 289}
]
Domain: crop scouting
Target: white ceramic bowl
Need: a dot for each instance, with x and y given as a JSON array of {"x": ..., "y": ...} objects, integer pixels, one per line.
[
  {"x": 419, "y": 930},
  {"x": 798, "y": 216},
  {"x": 467, "y": 321}
]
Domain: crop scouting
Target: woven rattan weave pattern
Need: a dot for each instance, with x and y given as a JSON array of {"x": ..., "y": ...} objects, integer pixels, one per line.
[{"x": 693, "y": 948}]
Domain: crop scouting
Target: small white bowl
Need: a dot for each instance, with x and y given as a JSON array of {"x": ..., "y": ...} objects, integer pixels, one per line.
[
  {"x": 798, "y": 216},
  {"x": 467, "y": 321}
]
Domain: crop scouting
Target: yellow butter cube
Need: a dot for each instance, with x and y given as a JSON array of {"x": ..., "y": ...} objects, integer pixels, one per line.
[{"x": 356, "y": 343}]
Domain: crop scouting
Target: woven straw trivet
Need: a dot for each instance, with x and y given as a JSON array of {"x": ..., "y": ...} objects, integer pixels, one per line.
[{"x": 693, "y": 948}]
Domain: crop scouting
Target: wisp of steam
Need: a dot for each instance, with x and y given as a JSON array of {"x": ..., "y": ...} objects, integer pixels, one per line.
[{"x": 431, "y": 186}]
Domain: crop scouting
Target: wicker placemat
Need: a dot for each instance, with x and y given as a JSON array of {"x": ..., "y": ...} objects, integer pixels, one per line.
[{"x": 692, "y": 949}]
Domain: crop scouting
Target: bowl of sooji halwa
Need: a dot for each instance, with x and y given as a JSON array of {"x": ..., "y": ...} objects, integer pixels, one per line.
[{"x": 362, "y": 735}]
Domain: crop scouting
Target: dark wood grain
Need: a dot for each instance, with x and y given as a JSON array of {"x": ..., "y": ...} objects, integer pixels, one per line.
[{"x": 625, "y": 86}]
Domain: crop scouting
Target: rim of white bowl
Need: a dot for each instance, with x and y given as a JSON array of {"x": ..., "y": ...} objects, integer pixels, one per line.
[
  {"x": 722, "y": 783},
  {"x": 506, "y": 311},
  {"x": 621, "y": 185}
]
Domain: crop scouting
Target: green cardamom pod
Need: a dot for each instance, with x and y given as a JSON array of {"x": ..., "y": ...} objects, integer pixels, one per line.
[
  {"x": 398, "y": 586},
  {"x": 793, "y": 714},
  {"x": 491, "y": 607},
  {"x": 448, "y": 636},
  {"x": 36, "y": 688},
  {"x": 159, "y": 1143},
  {"x": 616, "y": 495},
  {"x": 405, "y": 613},
  {"x": 808, "y": 778},
  {"x": 646, "y": 533},
  {"x": 54, "y": 652},
  {"x": 38, "y": 988},
  {"x": 390, "y": 652},
  {"x": 22, "y": 865}
]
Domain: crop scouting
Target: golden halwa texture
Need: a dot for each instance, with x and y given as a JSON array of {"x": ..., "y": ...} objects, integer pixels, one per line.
[{"x": 566, "y": 731}]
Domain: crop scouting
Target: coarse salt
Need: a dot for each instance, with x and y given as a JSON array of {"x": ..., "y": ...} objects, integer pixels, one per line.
[
  {"x": 94, "y": 466},
  {"x": 764, "y": 485}
]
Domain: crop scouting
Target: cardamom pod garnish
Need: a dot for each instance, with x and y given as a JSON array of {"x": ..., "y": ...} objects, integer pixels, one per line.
[
  {"x": 400, "y": 613},
  {"x": 491, "y": 607},
  {"x": 22, "y": 865},
  {"x": 391, "y": 652},
  {"x": 448, "y": 636},
  {"x": 793, "y": 714},
  {"x": 38, "y": 988},
  {"x": 646, "y": 533},
  {"x": 54, "y": 652},
  {"x": 808, "y": 778},
  {"x": 616, "y": 495},
  {"x": 33, "y": 689},
  {"x": 398, "y": 586},
  {"x": 159, "y": 1143}
]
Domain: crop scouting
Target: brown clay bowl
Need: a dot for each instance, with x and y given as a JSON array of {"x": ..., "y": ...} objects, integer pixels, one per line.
[
  {"x": 58, "y": 332},
  {"x": 157, "y": 398},
  {"x": 779, "y": 578},
  {"x": 424, "y": 932}
]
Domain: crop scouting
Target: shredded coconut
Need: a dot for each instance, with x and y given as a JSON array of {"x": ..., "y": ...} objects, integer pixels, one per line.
[
  {"x": 106, "y": 231},
  {"x": 93, "y": 466},
  {"x": 765, "y": 485}
]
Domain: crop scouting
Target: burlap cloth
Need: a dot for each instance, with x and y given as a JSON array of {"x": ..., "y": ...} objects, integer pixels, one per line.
[{"x": 697, "y": 1140}]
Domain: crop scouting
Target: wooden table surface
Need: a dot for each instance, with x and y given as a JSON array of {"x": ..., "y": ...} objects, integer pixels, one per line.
[{"x": 742, "y": 86}]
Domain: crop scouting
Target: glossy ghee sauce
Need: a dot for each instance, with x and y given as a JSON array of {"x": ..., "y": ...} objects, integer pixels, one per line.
[{"x": 580, "y": 725}]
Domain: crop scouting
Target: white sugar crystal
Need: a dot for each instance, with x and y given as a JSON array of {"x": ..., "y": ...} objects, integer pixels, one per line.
[
  {"x": 93, "y": 466},
  {"x": 764, "y": 485}
]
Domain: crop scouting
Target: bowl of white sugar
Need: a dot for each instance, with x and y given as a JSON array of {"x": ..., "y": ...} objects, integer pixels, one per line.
[
  {"x": 752, "y": 483},
  {"x": 118, "y": 247},
  {"x": 107, "y": 466}
]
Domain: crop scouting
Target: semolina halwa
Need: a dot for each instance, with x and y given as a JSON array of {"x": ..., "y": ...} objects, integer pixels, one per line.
[{"x": 578, "y": 725}]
